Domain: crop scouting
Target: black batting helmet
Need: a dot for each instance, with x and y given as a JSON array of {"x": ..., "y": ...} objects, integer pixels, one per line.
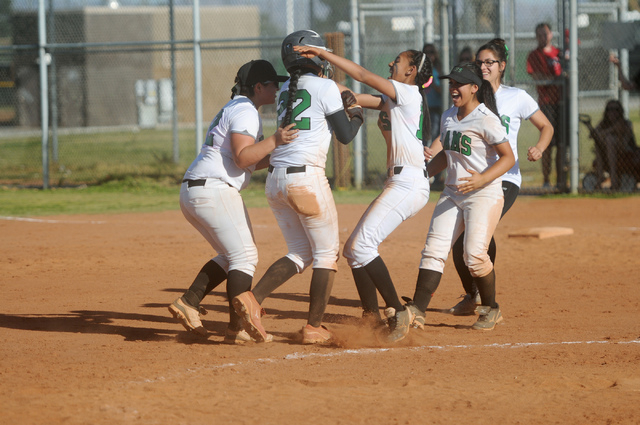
[{"x": 293, "y": 59}]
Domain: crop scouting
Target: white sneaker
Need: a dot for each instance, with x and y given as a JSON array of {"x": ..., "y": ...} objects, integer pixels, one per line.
[
  {"x": 188, "y": 316},
  {"x": 241, "y": 337}
]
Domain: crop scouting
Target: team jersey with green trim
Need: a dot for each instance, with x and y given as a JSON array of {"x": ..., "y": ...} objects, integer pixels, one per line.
[
  {"x": 514, "y": 106},
  {"x": 316, "y": 98},
  {"x": 215, "y": 160},
  {"x": 468, "y": 144},
  {"x": 405, "y": 124}
]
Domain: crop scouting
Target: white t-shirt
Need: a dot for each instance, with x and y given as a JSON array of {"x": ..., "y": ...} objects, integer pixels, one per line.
[
  {"x": 215, "y": 160},
  {"x": 405, "y": 116},
  {"x": 514, "y": 106},
  {"x": 316, "y": 98},
  {"x": 468, "y": 144}
]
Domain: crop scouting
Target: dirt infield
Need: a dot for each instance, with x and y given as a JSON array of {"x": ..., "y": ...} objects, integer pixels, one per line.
[{"x": 86, "y": 337}]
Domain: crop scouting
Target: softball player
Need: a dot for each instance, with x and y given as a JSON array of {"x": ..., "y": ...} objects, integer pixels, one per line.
[
  {"x": 514, "y": 106},
  {"x": 471, "y": 135},
  {"x": 298, "y": 190},
  {"x": 404, "y": 121},
  {"x": 210, "y": 198}
]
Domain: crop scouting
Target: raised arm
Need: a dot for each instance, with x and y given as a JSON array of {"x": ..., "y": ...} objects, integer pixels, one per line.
[{"x": 352, "y": 69}]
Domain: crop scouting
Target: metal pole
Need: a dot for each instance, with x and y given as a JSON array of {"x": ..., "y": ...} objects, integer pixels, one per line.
[
  {"x": 290, "y": 22},
  {"x": 54, "y": 86},
  {"x": 355, "y": 51},
  {"x": 174, "y": 105},
  {"x": 428, "y": 17},
  {"x": 197, "y": 70},
  {"x": 44, "y": 97},
  {"x": 624, "y": 59},
  {"x": 512, "y": 43},
  {"x": 446, "y": 54},
  {"x": 573, "y": 93}
]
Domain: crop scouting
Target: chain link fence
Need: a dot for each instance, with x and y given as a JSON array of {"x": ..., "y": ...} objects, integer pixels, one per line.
[{"x": 121, "y": 83}]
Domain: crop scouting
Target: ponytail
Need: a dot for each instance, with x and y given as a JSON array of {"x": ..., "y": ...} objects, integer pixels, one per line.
[{"x": 424, "y": 78}]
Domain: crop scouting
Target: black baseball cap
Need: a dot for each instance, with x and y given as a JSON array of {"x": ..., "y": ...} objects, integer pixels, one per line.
[
  {"x": 258, "y": 71},
  {"x": 463, "y": 75}
]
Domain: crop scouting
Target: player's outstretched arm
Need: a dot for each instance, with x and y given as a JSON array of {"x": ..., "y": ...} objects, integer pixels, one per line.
[
  {"x": 352, "y": 69},
  {"x": 246, "y": 152}
]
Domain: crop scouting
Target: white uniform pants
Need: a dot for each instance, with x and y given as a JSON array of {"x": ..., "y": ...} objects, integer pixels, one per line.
[
  {"x": 303, "y": 205},
  {"x": 477, "y": 214},
  {"x": 403, "y": 196},
  {"x": 218, "y": 212}
]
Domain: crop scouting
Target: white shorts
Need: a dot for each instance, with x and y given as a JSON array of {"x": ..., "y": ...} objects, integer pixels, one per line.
[
  {"x": 218, "y": 212},
  {"x": 477, "y": 214},
  {"x": 403, "y": 196},
  {"x": 303, "y": 205}
]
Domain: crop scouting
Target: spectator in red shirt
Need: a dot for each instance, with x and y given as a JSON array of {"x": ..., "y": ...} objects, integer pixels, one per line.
[{"x": 543, "y": 63}]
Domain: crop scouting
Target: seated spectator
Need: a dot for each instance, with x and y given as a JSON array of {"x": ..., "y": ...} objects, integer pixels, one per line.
[{"x": 615, "y": 141}]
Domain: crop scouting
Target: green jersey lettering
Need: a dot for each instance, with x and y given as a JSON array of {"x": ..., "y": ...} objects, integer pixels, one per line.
[
  {"x": 305, "y": 98},
  {"x": 505, "y": 120},
  {"x": 209, "y": 140}
]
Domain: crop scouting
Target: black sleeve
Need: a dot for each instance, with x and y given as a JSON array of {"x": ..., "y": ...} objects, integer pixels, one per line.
[{"x": 344, "y": 129}]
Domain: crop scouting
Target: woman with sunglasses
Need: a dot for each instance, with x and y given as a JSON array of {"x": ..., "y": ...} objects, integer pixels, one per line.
[
  {"x": 514, "y": 106},
  {"x": 210, "y": 194},
  {"x": 475, "y": 153}
]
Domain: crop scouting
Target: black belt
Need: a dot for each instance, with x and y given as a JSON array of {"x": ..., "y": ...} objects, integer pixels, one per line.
[
  {"x": 398, "y": 169},
  {"x": 291, "y": 170},
  {"x": 191, "y": 183}
]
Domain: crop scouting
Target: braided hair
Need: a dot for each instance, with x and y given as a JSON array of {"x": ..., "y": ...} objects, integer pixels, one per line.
[
  {"x": 499, "y": 49},
  {"x": 424, "y": 77},
  {"x": 293, "y": 89},
  {"x": 485, "y": 91}
]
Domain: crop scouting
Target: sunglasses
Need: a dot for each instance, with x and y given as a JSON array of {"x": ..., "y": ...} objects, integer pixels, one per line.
[{"x": 488, "y": 63}]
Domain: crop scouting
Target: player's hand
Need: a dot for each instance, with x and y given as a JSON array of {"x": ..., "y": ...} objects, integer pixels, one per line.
[
  {"x": 428, "y": 153},
  {"x": 533, "y": 154},
  {"x": 473, "y": 182},
  {"x": 286, "y": 135},
  {"x": 307, "y": 51}
]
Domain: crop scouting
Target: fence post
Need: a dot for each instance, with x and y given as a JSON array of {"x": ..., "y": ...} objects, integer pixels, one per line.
[{"x": 341, "y": 157}]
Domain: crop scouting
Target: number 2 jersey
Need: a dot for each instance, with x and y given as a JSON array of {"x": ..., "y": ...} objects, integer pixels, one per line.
[
  {"x": 316, "y": 98},
  {"x": 215, "y": 160},
  {"x": 468, "y": 143}
]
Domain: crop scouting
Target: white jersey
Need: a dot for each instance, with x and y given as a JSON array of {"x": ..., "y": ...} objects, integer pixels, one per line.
[
  {"x": 514, "y": 106},
  {"x": 316, "y": 98},
  {"x": 405, "y": 122},
  {"x": 468, "y": 144},
  {"x": 215, "y": 160}
]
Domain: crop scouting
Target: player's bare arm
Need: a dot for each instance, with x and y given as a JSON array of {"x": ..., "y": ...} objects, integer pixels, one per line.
[
  {"x": 352, "y": 69},
  {"x": 246, "y": 152},
  {"x": 542, "y": 123},
  {"x": 437, "y": 164}
]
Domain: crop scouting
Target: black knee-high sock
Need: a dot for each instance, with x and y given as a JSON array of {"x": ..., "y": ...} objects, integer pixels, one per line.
[
  {"x": 319, "y": 293},
  {"x": 210, "y": 276},
  {"x": 487, "y": 288},
  {"x": 379, "y": 274},
  {"x": 426, "y": 285},
  {"x": 461, "y": 267},
  {"x": 366, "y": 290},
  {"x": 279, "y": 272},
  {"x": 237, "y": 283}
]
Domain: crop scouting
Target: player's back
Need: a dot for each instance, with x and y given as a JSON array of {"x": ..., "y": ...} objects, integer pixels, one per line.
[{"x": 315, "y": 99}]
